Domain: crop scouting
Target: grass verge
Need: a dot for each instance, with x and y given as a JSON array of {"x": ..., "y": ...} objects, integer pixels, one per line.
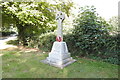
[{"x": 25, "y": 63}]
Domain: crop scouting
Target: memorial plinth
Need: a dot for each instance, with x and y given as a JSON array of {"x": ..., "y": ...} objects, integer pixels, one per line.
[{"x": 59, "y": 55}]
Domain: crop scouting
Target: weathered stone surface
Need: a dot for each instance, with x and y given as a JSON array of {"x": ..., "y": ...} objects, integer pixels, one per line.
[
  {"x": 59, "y": 66},
  {"x": 60, "y": 18},
  {"x": 59, "y": 55}
]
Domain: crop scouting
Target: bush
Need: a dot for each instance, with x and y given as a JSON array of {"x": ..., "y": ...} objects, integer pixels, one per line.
[
  {"x": 89, "y": 38},
  {"x": 46, "y": 40},
  {"x": 107, "y": 54},
  {"x": 90, "y": 31},
  {"x": 13, "y": 42}
]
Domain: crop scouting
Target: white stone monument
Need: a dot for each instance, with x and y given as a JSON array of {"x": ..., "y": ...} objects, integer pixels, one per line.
[{"x": 59, "y": 55}]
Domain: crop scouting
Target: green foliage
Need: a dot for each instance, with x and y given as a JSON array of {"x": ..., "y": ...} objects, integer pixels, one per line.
[
  {"x": 108, "y": 54},
  {"x": 7, "y": 22},
  {"x": 90, "y": 31},
  {"x": 47, "y": 40},
  {"x": 89, "y": 38},
  {"x": 44, "y": 41},
  {"x": 64, "y": 6},
  {"x": 13, "y": 42},
  {"x": 32, "y": 18},
  {"x": 27, "y": 13}
]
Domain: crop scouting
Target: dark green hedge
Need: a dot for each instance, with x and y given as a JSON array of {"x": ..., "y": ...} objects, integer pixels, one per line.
[
  {"x": 107, "y": 53},
  {"x": 89, "y": 38}
]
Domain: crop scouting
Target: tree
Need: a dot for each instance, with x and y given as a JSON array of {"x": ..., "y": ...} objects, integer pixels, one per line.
[
  {"x": 33, "y": 18},
  {"x": 89, "y": 31}
]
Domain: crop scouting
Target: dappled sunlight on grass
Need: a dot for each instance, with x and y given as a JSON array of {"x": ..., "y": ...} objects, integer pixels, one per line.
[
  {"x": 20, "y": 64},
  {"x": 27, "y": 50},
  {"x": 9, "y": 48}
]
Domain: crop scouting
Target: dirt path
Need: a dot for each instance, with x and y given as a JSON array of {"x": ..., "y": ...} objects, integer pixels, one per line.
[{"x": 3, "y": 44}]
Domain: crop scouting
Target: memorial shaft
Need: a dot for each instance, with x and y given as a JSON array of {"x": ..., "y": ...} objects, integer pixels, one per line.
[{"x": 59, "y": 29}]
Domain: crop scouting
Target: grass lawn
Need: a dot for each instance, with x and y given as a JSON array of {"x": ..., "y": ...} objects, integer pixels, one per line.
[{"x": 23, "y": 63}]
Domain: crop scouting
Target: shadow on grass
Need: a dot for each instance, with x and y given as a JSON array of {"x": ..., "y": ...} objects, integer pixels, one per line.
[
  {"x": 13, "y": 42},
  {"x": 20, "y": 64}
]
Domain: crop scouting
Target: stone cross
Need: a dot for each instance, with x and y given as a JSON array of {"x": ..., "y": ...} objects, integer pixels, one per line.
[
  {"x": 59, "y": 55},
  {"x": 60, "y": 18}
]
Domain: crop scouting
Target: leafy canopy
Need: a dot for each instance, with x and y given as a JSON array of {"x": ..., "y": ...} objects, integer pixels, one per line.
[
  {"x": 33, "y": 18},
  {"x": 39, "y": 14},
  {"x": 89, "y": 30}
]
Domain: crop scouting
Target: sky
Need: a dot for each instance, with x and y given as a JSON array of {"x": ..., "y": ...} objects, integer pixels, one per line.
[{"x": 105, "y": 8}]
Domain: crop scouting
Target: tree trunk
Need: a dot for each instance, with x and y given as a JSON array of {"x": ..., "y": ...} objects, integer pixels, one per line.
[{"x": 21, "y": 35}]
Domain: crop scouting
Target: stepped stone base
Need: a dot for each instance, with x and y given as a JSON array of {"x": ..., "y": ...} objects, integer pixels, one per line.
[{"x": 59, "y": 56}]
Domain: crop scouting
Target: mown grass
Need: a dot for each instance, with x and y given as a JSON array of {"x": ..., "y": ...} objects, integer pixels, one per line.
[{"x": 21, "y": 64}]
